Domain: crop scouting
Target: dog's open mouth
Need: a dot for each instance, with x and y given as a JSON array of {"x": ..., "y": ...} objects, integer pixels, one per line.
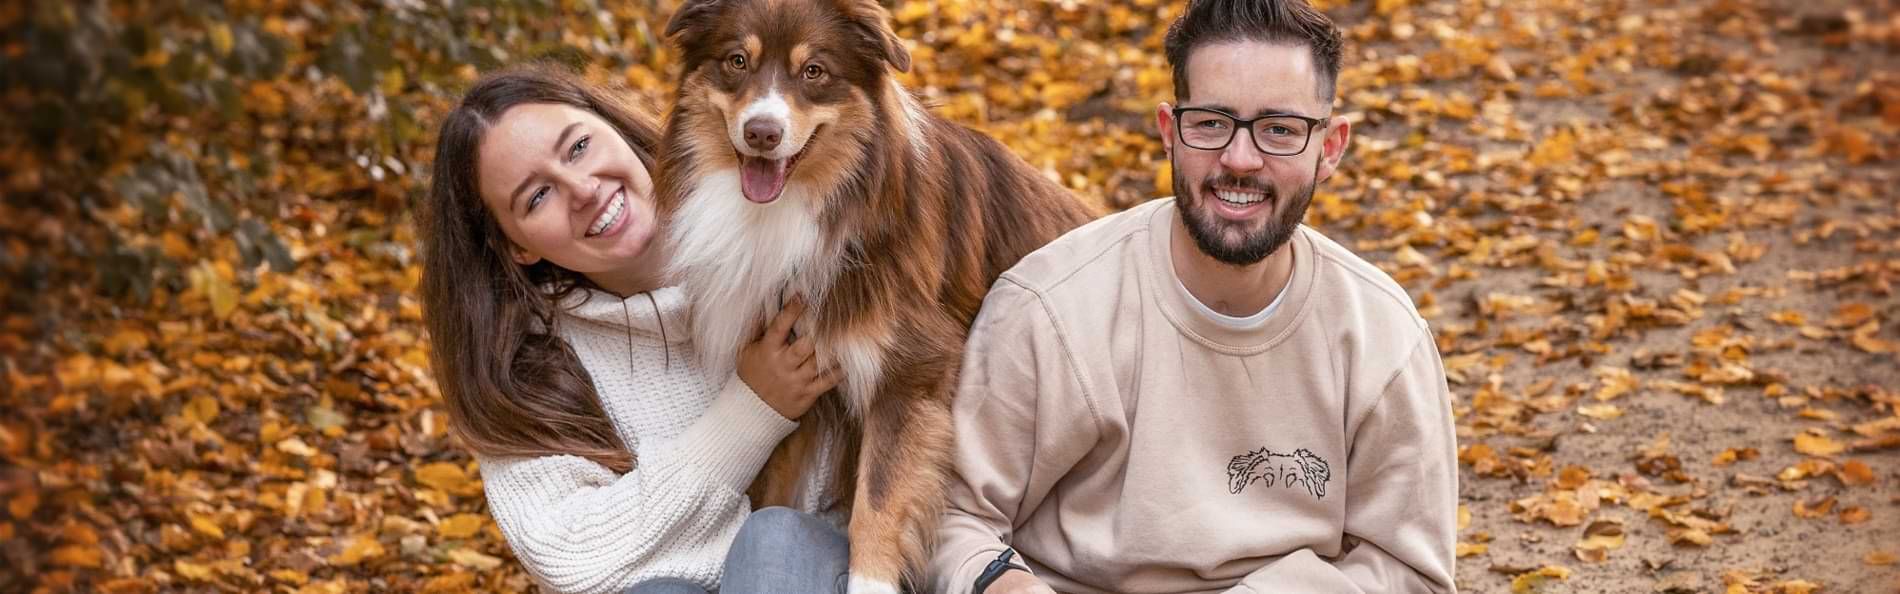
[{"x": 762, "y": 179}]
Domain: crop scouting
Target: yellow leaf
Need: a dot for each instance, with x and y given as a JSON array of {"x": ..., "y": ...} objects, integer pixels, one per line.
[
  {"x": 215, "y": 282},
  {"x": 296, "y": 447},
  {"x": 336, "y": 586},
  {"x": 1863, "y": 338},
  {"x": 1529, "y": 582},
  {"x": 363, "y": 547},
  {"x": 1817, "y": 445},
  {"x": 1689, "y": 537},
  {"x": 204, "y": 525},
  {"x": 1599, "y": 538},
  {"x": 1805, "y": 469},
  {"x": 1796, "y": 587},
  {"x": 221, "y": 39},
  {"x": 393, "y": 82},
  {"x": 290, "y": 576},
  {"x": 1601, "y": 412},
  {"x": 192, "y": 571},
  {"x": 201, "y": 410},
  {"x": 1464, "y": 517},
  {"x": 1466, "y": 549},
  {"x": 459, "y": 581},
  {"x": 474, "y": 559},
  {"x": 443, "y": 476},
  {"x": 460, "y": 526}
]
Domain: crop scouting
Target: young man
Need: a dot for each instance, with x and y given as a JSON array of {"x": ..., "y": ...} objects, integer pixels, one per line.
[{"x": 1200, "y": 394}]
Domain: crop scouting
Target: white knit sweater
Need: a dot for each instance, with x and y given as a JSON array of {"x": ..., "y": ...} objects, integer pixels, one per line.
[{"x": 699, "y": 437}]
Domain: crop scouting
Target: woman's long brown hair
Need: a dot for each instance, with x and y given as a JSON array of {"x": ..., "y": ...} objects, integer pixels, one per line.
[{"x": 512, "y": 385}]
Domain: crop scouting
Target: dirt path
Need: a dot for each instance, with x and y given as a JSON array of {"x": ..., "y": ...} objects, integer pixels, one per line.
[{"x": 1694, "y": 239}]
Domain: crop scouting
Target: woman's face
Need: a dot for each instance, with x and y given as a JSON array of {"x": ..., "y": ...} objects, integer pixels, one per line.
[{"x": 566, "y": 188}]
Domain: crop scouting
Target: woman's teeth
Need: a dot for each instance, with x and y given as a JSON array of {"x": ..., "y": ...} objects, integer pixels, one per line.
[
  {"x": 611, "y": 215},
  {"x": 1234, "y": 197}
]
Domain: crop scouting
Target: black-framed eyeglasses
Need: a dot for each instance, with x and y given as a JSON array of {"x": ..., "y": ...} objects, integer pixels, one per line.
[{"x": 1277, "y": 134}]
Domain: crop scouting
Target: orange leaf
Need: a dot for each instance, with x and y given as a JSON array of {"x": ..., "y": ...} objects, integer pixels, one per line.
[
  {"x": 1731, "y": 455},
  {"x": 1572, "y": 477},
  {"x": 1813, "y": 509},
  {"x": 1855, "y": 473},
  {"x": 77, "y": 556},
  {"x": 23, "y": 504},
  {"x": 1855, "y": 515},
  {"x": 1880, "y": 558},
  {"x": 1817, "y": 445}
]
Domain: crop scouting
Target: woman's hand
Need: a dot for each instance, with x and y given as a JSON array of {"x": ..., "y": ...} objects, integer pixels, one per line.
[{"x": 784, "y": 373}]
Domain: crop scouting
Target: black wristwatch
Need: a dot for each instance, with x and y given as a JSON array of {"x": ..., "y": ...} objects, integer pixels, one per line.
[{"x": 995, "y": 570}]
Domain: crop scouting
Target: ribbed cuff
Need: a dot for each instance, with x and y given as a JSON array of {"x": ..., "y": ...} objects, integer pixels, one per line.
[{"x": 731, "y": 442}]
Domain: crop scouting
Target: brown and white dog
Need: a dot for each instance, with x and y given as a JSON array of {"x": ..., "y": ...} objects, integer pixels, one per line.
[{"x": 796, "y": 163}]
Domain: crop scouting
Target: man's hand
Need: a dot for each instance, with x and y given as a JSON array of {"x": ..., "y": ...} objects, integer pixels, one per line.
[{"x": 1019, "y": 582}]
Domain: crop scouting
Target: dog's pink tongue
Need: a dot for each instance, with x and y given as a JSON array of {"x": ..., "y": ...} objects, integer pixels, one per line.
[{"x": 762, "y": 179}]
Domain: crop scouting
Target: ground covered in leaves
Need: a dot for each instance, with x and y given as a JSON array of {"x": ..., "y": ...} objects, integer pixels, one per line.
[{"x": 1657, "y": 244}]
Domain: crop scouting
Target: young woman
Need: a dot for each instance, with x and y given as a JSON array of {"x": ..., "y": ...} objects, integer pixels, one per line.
[{"x": 612, "y": 462}]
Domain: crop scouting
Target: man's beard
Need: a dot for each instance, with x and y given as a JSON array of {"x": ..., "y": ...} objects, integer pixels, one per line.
[{"x": 1209, "y": 231}]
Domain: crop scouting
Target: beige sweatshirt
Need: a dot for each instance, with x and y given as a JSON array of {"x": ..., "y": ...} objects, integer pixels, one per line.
[{"x": 1121, "y": 440}]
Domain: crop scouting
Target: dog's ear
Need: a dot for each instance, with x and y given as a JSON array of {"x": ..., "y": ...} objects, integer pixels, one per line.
[
  {"x": 874, "y": 23},
  {"x": 691, "y": 15}
]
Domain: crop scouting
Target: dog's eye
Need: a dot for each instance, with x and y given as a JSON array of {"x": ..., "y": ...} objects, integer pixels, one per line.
[
  {"x": 737, "y": 61},
  {"x": 814, "y": 71}
]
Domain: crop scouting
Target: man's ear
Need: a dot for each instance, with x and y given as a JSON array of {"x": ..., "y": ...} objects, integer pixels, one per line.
[
  {"x": 691, "y": 15},
  {"x": 1164, "y": 124},
  {"x": 874, "y": 25},
  {"x": 1333, "y": 145}
]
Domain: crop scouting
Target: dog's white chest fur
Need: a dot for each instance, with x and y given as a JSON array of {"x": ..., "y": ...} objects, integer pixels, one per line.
[{"x": 737, "y": 260}]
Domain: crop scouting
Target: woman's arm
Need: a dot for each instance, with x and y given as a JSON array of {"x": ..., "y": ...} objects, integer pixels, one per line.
[{"x": 578, "y": 527}]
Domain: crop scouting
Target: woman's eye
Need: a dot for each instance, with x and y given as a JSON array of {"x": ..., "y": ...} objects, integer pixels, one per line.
[
  {"x": 579, "y": 148},
  {"x": 535, "y": 200}
]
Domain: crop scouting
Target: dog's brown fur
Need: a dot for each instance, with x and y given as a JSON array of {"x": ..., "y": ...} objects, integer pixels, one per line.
[{"x": 912, "y": 219}]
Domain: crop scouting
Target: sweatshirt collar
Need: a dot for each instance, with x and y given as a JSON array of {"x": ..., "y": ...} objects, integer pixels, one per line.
[{"x": 1163, "y": 286}]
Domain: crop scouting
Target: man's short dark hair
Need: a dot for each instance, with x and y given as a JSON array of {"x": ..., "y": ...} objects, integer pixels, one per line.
[{"x": 1271, "y": 21}]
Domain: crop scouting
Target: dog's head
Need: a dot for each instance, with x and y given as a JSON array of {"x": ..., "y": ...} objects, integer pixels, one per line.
[{"x": 770, "y": 86}]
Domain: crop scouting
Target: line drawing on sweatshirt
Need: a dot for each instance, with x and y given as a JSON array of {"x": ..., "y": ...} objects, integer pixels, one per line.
[{"x": 1301, "y": 467}]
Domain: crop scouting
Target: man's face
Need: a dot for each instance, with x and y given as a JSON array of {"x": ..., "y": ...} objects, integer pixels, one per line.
[{"x": 1239, "y": 203}]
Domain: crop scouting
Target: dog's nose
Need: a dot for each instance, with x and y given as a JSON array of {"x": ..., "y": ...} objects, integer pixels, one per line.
[{"x": 762, "y": 134}]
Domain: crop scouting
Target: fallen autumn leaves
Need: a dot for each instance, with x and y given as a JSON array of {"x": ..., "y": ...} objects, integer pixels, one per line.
[{"x": 1657, "y": 245}]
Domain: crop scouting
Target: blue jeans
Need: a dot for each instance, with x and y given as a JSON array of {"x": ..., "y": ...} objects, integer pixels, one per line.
[{"x": 778, "y": 550}]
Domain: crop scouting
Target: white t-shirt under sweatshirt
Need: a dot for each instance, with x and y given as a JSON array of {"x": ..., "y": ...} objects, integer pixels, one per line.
[
  {"x": 1123, "y": 440},
  {"x": 699, "y": 438}
]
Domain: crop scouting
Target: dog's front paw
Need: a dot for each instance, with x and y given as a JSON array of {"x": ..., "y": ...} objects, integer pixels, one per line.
[{"x": 863, "y": 585}]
